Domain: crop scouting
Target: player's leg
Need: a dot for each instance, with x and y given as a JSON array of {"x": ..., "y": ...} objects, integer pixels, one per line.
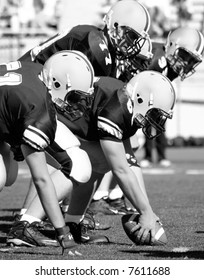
[
  {"x": 117, "y": 202},
  {"x": 160, "y": 145},
  {"x": 104, "y": 187},
  {"x": 24, "y": 231},
  {"x": 107, "y": 192},
  {"x": 148, "y": 153},
  {"x": 80, "y": 170},
  {"x": 62, "y": 187},
  {"x": 63, "y": 184},
  {"x": 79, "y": 202},
  {"x": 30, "y": 195}
]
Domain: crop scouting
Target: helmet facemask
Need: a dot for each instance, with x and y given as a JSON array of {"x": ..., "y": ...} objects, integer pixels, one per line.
[
  {"x": 153, "y": 123},
  {"x": 127, "y": 41},
  {"x": 129, "y": 68},
  {"x": 153, "y": 98},
  {"x": 137, "y": 63},
  {"x": 183, "y": 62}
]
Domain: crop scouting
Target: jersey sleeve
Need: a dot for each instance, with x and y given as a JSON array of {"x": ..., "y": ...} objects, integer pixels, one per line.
[
  {"x": 40, "y": 126},
  {"x": 110, "y": 121}
]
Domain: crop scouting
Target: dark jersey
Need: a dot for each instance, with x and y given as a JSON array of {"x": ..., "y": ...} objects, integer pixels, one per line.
[
  {"x": 27, "y": 114},
  {"x": 88, "y": 39},
  {"x": 109, "y": 116},
  {"x": 159, "y": 62}
]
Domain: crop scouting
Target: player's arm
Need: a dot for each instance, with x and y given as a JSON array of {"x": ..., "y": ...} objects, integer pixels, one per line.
[
  {"x": 40, "y": 53},
  {"x": 37, "y": 164},
  {"x": 132, "y": 161},
  {"x": 127, "y": 180}
]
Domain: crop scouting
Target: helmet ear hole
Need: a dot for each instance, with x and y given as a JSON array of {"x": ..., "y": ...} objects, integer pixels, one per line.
[
  {"x": 139, "y": 98},
  {"x": 152, "y": 92},
  {"x": 56, "y": 84}
]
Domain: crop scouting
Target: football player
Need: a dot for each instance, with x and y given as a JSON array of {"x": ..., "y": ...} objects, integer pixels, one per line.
[
  {"x": 114, "y": 51},
  {"x": 71, "y": 164},
  {"x": 108, "y": 198},
  {"x": 103, "y": 122},
  {"x": 122, "y": 38},
  {"x": 27, "y": 128},
  {"x": 179, "y": 57}
]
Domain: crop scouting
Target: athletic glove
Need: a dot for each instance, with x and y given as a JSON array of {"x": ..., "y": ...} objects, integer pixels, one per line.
[{"x": 65, "y": 238}]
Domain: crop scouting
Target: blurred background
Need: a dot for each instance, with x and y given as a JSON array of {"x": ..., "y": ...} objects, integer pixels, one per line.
[{"x": 26, "y": 23}]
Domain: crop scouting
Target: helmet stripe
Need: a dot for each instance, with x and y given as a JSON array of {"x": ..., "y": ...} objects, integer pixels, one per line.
[
  {"x": 200, "y": 47},
  {"x": 146, "y": 29},
  {"x": 88, "y": 63}
]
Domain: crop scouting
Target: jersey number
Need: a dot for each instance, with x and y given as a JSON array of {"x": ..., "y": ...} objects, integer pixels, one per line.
[{"x": 10, "y": 78}]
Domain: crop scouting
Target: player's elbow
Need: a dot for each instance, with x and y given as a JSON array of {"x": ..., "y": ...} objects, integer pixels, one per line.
[
  {"x": 121, "y": 172},
  {"x": 40, "y": 182}
]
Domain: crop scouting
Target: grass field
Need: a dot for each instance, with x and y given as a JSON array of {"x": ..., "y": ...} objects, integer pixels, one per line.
[{"x": 176, "y": 195}]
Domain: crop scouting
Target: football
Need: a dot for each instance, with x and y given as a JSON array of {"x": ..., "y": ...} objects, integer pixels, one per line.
[{"x": 130, "y": 220}]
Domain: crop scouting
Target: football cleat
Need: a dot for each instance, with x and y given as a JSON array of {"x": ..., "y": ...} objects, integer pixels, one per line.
[
  {"x": 119, "y": 207},
  {"x": 101, "y": 206},
  {"x": 165, "y": 162},
  {"x": 92, "y": 224},
  {"x": 17, "y": 217},
  {"x": 25, "y": 234},
  {"x": 42, "y": 225},
  {"x": 145, "y": 163},
  {"x": 82, "y": 235}
]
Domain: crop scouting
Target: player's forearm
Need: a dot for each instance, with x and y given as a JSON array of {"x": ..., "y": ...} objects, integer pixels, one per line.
[
  {"x": 131, "y": 188},
  {"x": 50, "y": 202}
]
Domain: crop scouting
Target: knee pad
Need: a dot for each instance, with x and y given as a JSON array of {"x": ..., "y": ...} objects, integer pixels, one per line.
[
  {"x": 64, "y": 137},
  {"x": 66, "y": 155},
  {"x": 81, "y": 165}
]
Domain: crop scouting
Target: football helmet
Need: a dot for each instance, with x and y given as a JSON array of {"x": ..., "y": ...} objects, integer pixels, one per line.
[
  {"x": 139, "y": 62},
  {"x": 127, "y": 24},
  {"x": 184, "y": 48},
  {"x": 67, "y": 71},
  {"x": 153, "y": 97}
]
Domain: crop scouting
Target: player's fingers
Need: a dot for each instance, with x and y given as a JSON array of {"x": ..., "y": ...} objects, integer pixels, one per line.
[
  {"x": 144, "y": 236},
  {"x": 135, "y": 228},
  {"x": 139, "y": 235},
  {"x": 152, "y": 234}
]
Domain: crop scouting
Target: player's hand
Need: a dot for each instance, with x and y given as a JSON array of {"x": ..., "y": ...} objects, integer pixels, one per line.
[
  {"x": 147, "y": 223},
  {"x": 65, "y": 239}
]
